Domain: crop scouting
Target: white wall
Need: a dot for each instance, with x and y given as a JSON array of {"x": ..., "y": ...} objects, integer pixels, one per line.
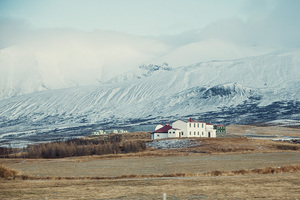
[
  {"x": 155, "y": 136},
  {"x": 210, "y": 131},
  {"x": 196, "y": 129},
  {"x": 182, "y": 126},
  {"x": 174, "y": 133}
]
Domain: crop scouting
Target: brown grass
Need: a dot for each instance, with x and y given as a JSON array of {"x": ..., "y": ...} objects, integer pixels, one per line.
[
  {"x": 12, "y": 174},
  {"x": 266, "y": 186},
  {"x": 219, "y": 168},
  {"x": 263, "y": 130},
  {"x": 7, "y": 173}
]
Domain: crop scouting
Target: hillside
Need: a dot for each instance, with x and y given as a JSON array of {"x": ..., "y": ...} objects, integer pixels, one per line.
[{"x": 247, "y": 90}]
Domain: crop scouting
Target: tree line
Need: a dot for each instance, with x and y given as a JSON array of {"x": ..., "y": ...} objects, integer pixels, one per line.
[{"x": 97, "y": 145}]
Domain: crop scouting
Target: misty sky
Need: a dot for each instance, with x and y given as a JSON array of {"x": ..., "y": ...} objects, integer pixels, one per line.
[
  {"x": 141, "y": 17},
  {"x": 258, "y": 21}
]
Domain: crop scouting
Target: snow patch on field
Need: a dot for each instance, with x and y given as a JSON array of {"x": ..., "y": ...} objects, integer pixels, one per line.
[
  {"x": 173, "y": 144},
  {"x": 285, "y": 122}
]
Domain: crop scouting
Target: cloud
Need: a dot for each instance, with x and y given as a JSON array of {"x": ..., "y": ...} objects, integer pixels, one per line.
[
  {"x": 282, "y": 24},
  {"x": 69, "y": 55},
  {"x": 271, "y": 23},
  {"x": 13, "y": 31}
]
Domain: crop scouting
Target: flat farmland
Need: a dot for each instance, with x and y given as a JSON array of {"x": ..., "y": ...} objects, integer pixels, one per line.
[
  {"x": 266, "y": 186},
  {"x": 248, "y": 186},
  {"x": 149, "y": 174},
  {"x": 97, "y": 167},
  {"x": 263, "y": 130}
]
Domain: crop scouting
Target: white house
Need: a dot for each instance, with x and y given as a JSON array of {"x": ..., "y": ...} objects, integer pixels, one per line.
[
  {"x": 161, "y": 132},
  {"x": 180, "y": 128}
]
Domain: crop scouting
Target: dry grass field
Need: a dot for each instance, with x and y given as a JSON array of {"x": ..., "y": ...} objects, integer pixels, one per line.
[
  {"x": 94, "y": 167},
  {"x": 220, "y": 168},
  {"x": 268, "y": 186},
  {"x": 260, "y": 130}
]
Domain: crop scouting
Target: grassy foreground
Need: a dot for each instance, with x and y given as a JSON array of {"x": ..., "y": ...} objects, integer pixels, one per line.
[
  {"x": 270, "y": 186},
  {"x": 221, "y": 168}
]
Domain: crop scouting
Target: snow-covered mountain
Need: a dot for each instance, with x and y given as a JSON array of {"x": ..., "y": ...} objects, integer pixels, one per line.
[{"x": 247, "y": 90}]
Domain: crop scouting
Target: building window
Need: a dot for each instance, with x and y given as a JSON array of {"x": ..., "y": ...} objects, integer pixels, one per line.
[
  {"x": 198, "y": 132},
  {"x": 194, "y": 125},
  {"x": 190, "y": 125},
  {"x": 198, "y": 125},
  {"x": 202, "y": 125},
  {"x": 190, "y": 132},
  {"x": 173, "y": 132},
  {"x": 202, "y": 133}
]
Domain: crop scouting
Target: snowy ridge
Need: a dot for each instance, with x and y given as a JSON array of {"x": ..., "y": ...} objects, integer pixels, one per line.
[
  {"x": 142, "y": 72},
  {"x": 248, "y": 90}
]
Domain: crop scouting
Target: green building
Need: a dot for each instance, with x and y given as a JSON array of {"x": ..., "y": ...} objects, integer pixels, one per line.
[{"x": 220, "y": 128}]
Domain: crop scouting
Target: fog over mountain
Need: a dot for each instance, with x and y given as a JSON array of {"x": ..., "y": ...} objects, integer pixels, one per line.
[{"x": 67, "y": 58}]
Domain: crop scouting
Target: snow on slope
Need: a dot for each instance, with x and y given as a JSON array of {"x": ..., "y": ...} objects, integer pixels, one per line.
[
  {"x": 207, "y": 87},
  {"x": 69, "y": 60},
  {"x": 142, "y": 72}
]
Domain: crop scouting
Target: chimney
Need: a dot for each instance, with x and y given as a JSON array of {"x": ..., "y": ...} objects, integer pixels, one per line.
[{"x": 191, "y": 119}]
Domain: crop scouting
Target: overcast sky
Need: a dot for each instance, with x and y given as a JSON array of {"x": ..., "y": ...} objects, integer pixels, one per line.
[
  {"x": 272, "y": 21},
  {"x": 141, "y": 17}
]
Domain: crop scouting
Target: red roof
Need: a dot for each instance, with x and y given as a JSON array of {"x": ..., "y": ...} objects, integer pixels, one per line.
[
  {"x": 163, "y": 129},
  {"x": 209, "y": 124},
  {"x": 191, "y": 120}
]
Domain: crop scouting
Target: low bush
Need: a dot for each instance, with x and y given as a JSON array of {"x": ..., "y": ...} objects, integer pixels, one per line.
[
  {"x": 216, "y": 173},
  {"x": 7, "y": 173}
]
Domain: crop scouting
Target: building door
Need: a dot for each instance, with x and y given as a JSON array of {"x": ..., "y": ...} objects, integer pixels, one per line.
[{"x": 208, "y": 134}]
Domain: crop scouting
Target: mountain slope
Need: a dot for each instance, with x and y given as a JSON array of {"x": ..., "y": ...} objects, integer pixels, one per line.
[
  {"x": 247, "y": 90},
  {"x": 270, "y": 75}
]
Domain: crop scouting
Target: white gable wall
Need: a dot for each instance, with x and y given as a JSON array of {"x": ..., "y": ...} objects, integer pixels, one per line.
[
  {"x": 158, "y": 127},
  {"x": 179, "y": 124}
]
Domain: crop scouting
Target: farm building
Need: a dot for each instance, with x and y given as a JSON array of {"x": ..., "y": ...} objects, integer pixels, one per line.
[
  {"x": 180, "y": 128},
  {"x": 220, "y": 128},
  {"x": 161, "y": 132}
]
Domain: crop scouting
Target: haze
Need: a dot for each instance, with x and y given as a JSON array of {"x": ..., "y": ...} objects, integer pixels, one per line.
[{"x": 83, "y": 42}]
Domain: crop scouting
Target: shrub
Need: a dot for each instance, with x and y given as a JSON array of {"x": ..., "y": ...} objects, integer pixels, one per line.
[
  {"x": 216, "y": 173},
  {"x": 7, "y": 173}
]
